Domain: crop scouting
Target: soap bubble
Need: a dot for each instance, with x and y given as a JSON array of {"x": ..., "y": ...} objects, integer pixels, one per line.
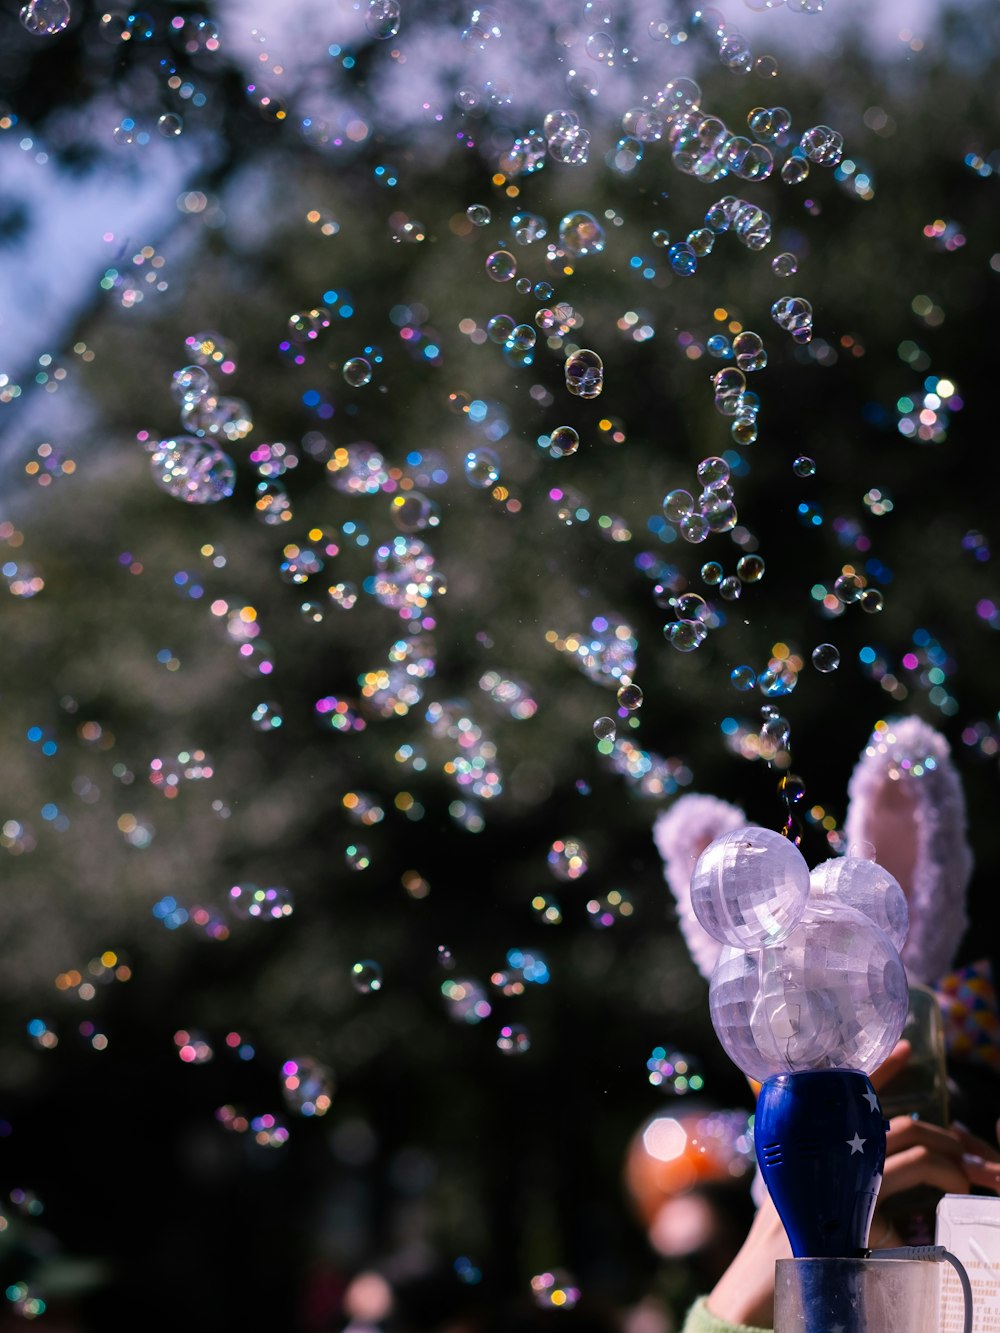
[
  {"x": 677, "y": 505},
  {"x": 522, "y": 338},
  {"x": 750, "y": 568},
  {"x": 605, "y": 729},
  {"x": 804, "y": 467},
  {"x": 211, "y": 349},
  {"x": 267, "y": 716},
  {"x": 694, "y": 528},
  {"x": 44, "y": 18},
  {"x": 690, "y": 606},
  {"x": 735, "y": 53},
  {"x": 848, "y": 588},
  {"x": 711, "y": 573},
  {"x": 193, "y": 470},
  {"x": 825, "y": 657},
  {"x": 794, "y": 170},
  {"x": 785, "y": 264},
  {"x": 249, "y": 902},
  {"x": 563, "y": 441},
  {"x": 860, "y": 883},
  {"x": 357, "y": 372},
  {"x": 170, "y": 125},
  {"x": 555, "y": 1291},
  {"x": 482, "y": 468},
  {"x": 306, "y": 325},
  {"x": 125, "y": 131},
  {"x": 366, "y": 976},
  {"x": 413, "y": 511},
  {"x": 685, "y": 635},
  {"x": 777, "y": 681},
  {"x": 822, "y": 145},
  {"x": 749, "y": 887},
  {"x": 499, "y": 328},
  {"x": 382, "y": 19},
  {"x": 794, "y": 314},
  {"x": 682, "y": 259},
  {"x": 466, "y": 1000},
  {"x": 731, "y": 588},
  {"x": 721, "y": 516},
  {"x": 713, "y": 471},
  {"x": 272, "y": 503},
  {"x": 830, "y": 995},
  {"x": 501, "y": 266},
  {"x": 871, "y": 600},
  {"x": 513, "y": 1039},
  {"x": 748, "y": 348},
  {"x": 743, "y": 678},
  {"x": 478, "y": 214},
  {"x": 307, "y": 1086},
  {"x": 581, "y": 234},
  {"x": 584, "y": 372},
  {"x": 630, "y": 697},
  {"x": 568, "y": 859},
  {"x": 718, "y": 345},
  {"x": 673, "y": 1072},
  {"x": 528, "y": 228},
  {"x": 191, "y": 384}
]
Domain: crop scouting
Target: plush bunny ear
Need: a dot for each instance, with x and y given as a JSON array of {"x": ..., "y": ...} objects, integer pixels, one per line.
[
  {"x": 906, "y": 801},
  {"x": 681, "y": 835}
]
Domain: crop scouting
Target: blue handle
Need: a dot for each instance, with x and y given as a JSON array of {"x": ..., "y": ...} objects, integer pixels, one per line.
[{"x": 820, "y": 1142}]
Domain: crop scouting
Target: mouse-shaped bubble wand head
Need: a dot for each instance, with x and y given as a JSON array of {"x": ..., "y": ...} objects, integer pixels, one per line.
[{"x": 808, "y": 998}]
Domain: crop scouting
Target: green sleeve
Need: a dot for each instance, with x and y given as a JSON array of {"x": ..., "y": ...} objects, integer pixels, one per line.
[{"x": 701, "y": 1320}]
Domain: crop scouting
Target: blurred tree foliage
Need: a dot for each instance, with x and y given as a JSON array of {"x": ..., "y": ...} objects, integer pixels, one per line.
[{"x": 438, "y": 1146}]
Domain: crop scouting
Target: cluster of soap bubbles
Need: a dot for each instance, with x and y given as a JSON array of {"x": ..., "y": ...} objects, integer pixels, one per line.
[
  {"x": 748, "y": 223},
  {"x": 794, "y": 314},
  {"x": 192, "y": 467},
  {"x": 810, "y": 975},
  {"x": 565, "y": 138},
  {"x": 733, "y": 398},
  {"x": 606, "y": 652},
  {"x": 714, "y": 509},
  {"x": 307, "y": 1086},
  {"x": 580, "y": 233},
  {"x": 584, "y": 373},
  {"x": 44, "y": 18},
  {"x": 526, "y": 155},
  {"x": 851, "y": 589},
  {"x": 473, "y": 765}
]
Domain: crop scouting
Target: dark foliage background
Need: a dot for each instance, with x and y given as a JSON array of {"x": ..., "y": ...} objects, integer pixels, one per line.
[{"x": 436, "y": 1146}]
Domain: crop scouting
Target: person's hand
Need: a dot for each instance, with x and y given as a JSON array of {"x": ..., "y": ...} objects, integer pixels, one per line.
[{"x": 917, "y": 1153}]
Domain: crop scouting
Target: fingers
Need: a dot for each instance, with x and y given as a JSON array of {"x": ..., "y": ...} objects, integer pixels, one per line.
[
  {"x": 896, "y": 1060},
  {"x": 919, "y": 1165},
  {"x": 972, "y": 1144},
  {"x": 982, "y": 1172},
  {"x": 905, "y": 1132},
  {"x": 918, "y": 1153}
]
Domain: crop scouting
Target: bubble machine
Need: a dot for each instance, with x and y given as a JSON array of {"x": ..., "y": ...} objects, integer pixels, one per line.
[{"x": 808, "y": 997}]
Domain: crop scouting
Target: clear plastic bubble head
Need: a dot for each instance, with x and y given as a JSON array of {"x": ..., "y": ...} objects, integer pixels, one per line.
[
  {"x": 749, "y": 887},
  {"x": 831, "y": 995},
  {"x": 859, "y": 882}
]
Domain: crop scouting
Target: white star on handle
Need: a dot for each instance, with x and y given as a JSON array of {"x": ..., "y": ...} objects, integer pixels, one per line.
[
  {"x": 871, "y": 1099},
  {"x": 856, "y": 1144}
]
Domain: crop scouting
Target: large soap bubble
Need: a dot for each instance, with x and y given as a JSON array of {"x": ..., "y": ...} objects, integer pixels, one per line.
[
  {"x": 865, "y": 886},
  {"x": 830, "y": 995},
  {"x": 749, "y": 887}
]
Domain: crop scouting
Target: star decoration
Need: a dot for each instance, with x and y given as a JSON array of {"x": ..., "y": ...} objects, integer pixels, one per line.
[
  {"x": 871, "y": 1099},
  {"x": 857, "y": 1143}
]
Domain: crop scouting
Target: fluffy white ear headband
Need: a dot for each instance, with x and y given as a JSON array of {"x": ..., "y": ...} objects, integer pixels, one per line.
[
  {"x": 681, "y": 835},
  {"x": 905, "y": 802}
]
